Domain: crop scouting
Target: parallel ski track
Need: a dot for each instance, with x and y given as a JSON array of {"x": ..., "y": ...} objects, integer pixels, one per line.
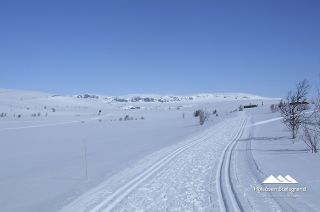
[
  {"x": 122, "y": 192},
  {"x": 228, "y": 200}
]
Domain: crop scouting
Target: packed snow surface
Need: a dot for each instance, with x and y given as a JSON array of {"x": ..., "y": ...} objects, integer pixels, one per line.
[{"x": 146, "y": 152}]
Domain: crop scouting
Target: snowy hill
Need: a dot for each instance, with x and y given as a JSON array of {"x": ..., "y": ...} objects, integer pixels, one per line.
[
  {"x": 173, "y": 98},
  {"x": 93, "y": 152},
  {"x": 29, "y": 99}
]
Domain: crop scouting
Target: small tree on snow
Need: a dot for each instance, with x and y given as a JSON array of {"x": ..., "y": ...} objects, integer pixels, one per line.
[
  {"x": 311, "y": 137},
  {"x": 273, "y": 108},
  {"x": 240, "y": 108},
  {"x": 196, "y": 113},
  {"x": 293, "y": 106},
  {"x": 311, "y": 127},
  {"x": 203, "y": 115}
]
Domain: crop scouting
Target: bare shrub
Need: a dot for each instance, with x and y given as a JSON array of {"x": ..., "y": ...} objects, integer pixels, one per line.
[
  {"x": 311, "y": 127},
  {"x": 196, "y": 113},
  {"x": 202, "y": 114},
  {"x": 127, "y": 118},
  {"x": 293, "y": 106},
  {"x": 311, "y": 137},
  {"x": 203, "y": 117},
  {"x": 273, "y": 108}
]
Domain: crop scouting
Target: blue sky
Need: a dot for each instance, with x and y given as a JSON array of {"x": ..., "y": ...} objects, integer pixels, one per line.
[{"x": 125, "y": 46}]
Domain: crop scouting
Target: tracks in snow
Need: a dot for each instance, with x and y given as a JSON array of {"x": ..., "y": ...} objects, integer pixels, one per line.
[
  {"x": 183, "y": 174},
  {"x": 114, "y": 199},
  {"x": 228, "y": 200},
  {"x": 109, "y": 203}
]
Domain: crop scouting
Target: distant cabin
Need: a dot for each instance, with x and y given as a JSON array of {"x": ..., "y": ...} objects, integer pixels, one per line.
[
  {"x": 250, "y": 106},
  {"x": 299, "y": 103},
  {"x": 135, "y": 108}
]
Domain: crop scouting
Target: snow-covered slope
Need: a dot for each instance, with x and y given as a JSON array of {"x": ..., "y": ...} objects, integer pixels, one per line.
[
  {"x": 174, "y": 98},
  {"x": 76, "y": 153}
]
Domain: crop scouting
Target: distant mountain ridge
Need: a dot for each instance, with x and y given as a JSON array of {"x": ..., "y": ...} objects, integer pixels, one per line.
[
  {"x": 132, "y": 98},
  {"x": 172, "y": 98}
]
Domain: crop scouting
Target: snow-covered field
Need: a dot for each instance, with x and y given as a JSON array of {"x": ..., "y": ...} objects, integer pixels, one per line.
[{"x": 59, "y": 153}]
